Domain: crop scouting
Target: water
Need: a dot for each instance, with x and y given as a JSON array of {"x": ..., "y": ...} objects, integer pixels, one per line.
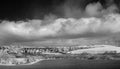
[{"x": 70, "y": 64}]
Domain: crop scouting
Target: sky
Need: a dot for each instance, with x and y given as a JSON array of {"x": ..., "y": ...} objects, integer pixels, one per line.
[
  {"x": 40, "y": 20},
  {"x": 38, "y": 9},
  {"x": 23, "y": 9}
]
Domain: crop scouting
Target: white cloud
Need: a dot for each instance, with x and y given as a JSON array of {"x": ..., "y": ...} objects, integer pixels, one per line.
[{"x": 32, "y": 29}]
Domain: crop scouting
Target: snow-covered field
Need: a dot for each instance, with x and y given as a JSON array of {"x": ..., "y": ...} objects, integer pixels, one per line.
[
  {"x": 20, "y": 61},
  {"x": 97, "y": 49}
]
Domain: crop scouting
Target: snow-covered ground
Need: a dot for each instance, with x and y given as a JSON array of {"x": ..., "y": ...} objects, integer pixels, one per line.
[
  {"x": 97, "y": 49},
  {"x": 21, "y": 61}
]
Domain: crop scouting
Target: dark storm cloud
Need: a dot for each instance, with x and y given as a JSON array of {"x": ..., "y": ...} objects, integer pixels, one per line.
[{"x": 37, "y": 9}]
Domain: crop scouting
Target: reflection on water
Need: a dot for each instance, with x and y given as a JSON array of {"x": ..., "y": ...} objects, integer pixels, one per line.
[{"x": 70, "y": 64}]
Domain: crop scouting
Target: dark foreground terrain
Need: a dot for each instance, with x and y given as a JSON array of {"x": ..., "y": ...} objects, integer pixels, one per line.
[{"x": 70, "y": 64}]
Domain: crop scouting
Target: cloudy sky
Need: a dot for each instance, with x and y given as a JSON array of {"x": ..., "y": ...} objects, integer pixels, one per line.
[{"x": 38, "y": 20}]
